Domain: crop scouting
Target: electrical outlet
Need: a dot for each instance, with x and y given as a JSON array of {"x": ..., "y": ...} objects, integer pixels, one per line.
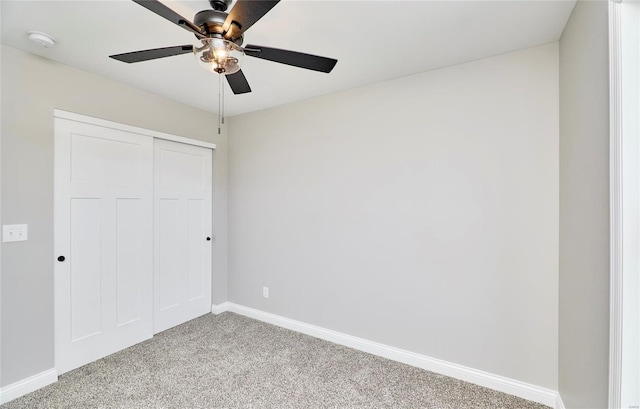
[
  {"x": 265, "y": 292},
  {"x": 14, "y": 232}
]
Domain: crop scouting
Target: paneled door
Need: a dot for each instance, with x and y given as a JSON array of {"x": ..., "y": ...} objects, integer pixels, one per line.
[
  {"x": 103, "y": 205},
  {"x": 182, "y": 245}
]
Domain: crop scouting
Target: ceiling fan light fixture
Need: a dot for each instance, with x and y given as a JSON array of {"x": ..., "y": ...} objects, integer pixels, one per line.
[
  {"x": 218, "y": 55},
  {"x": 221, "y": 36}
]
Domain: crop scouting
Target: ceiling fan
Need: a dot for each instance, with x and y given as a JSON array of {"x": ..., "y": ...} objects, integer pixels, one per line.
[{"x": 220, "y": 36}]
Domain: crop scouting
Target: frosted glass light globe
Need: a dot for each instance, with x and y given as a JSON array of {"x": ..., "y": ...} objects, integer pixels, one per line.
[{"x": 218, "y": 55}]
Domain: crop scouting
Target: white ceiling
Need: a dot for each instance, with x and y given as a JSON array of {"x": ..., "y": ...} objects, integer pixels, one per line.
[{"x": 372, "y": 40}]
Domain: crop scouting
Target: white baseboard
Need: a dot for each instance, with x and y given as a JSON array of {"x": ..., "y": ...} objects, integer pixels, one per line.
[
  {"x": 496, "y": 382},
  {"x": 27, "y": 385},
  {"x": 499, "y": 383},
  {"x": 220, "y": 308}
]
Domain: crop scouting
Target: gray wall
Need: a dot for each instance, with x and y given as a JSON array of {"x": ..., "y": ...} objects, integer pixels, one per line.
[
  {"x": 584, "y": 208},
  {"x": 421, "y": 213},
  {"x": 31, "y": 88}
]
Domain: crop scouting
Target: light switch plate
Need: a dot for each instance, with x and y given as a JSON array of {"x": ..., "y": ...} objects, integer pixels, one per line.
[{"x": 14, "y": 232}]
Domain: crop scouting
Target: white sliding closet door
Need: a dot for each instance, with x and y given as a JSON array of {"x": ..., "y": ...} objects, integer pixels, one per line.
[
  {"x": 182, "y": 277},
  {"x": 103, "y": 241}
]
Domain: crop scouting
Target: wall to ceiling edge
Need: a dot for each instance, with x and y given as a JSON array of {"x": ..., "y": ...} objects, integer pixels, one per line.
[
  {"x": 31, "y": 88},
  {"x": 420, "y": 213}
]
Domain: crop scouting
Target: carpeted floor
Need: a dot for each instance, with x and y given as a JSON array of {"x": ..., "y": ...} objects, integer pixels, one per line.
[{"x": 230, "y": 361}]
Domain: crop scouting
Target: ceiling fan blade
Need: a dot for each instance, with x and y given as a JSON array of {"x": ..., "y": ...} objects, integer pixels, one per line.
[
  {"x": 302, "y": 60},
  {"x": 244, "y": 14},
  {"x": 145, "y": 55},
  {"x": 164, "y": 11},
  {"x": 238, "y": 83}
]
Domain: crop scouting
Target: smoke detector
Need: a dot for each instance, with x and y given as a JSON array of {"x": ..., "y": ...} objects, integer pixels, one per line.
[{"x": 42, "y": 39}]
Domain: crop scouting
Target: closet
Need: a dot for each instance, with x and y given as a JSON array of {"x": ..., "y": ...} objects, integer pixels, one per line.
[{"x": 132, "y": 235}]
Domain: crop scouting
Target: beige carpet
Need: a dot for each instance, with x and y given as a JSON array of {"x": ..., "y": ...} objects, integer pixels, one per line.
[{"x": 230, "y": 361}]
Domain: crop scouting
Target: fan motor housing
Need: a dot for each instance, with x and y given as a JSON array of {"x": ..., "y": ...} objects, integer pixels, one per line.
[{"x": 211, "y": 22}]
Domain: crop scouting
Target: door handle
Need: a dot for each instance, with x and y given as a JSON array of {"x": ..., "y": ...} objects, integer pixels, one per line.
[
  {"x": 208, "y": 238},
  {"x": 61, "y": 259}
]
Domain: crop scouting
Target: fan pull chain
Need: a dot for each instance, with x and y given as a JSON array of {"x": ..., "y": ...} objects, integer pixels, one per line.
[
  {"x": 222, "y": 87},
  {"x": 219, "y": 103}
]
